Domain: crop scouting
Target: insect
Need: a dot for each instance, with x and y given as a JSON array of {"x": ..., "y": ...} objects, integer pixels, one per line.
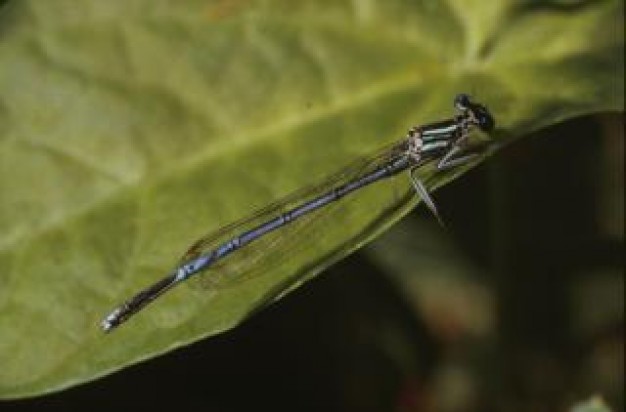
[{"x": 233, "y": 251}]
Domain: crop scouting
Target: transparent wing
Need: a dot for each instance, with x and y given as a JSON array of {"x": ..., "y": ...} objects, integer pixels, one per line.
[
  {"x": 286, "y": 253},
  {"x": 306, "y": 239},
  {"x": 358, "y": 167}
]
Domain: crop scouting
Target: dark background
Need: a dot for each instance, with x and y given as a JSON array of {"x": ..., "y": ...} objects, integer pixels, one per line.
[{"x": 541, "y": 224}]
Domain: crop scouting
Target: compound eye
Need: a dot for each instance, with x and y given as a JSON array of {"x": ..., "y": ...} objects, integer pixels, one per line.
[
  {"x": 462, "y": 102},
  {"x": 485, "y": 120}
]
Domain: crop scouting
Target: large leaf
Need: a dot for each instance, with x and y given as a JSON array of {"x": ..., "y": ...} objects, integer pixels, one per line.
[{"x": 130, "y": 128}]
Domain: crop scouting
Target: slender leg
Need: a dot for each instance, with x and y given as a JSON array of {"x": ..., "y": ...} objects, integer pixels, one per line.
[
  {"x": 450, "y": 159},
  {"x": 422, "y": 192}
]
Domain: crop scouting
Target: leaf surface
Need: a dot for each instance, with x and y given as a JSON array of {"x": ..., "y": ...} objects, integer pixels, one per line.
[{"x": 128, "y": 129}]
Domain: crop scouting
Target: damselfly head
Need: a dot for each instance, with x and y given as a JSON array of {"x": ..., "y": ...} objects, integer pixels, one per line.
[
  {"x": 484, "y": 119},
  {"x": 477, "y": 112},
  {"x": 462, "y": 102}
]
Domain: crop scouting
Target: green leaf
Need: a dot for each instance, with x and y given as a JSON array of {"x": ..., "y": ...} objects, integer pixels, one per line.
[
  {"x": 595, "y": 404},
  {"x": 128, "y": 129}
]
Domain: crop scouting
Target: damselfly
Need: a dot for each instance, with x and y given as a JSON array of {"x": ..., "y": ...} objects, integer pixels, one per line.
[{"x": 235, "y": 250}]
